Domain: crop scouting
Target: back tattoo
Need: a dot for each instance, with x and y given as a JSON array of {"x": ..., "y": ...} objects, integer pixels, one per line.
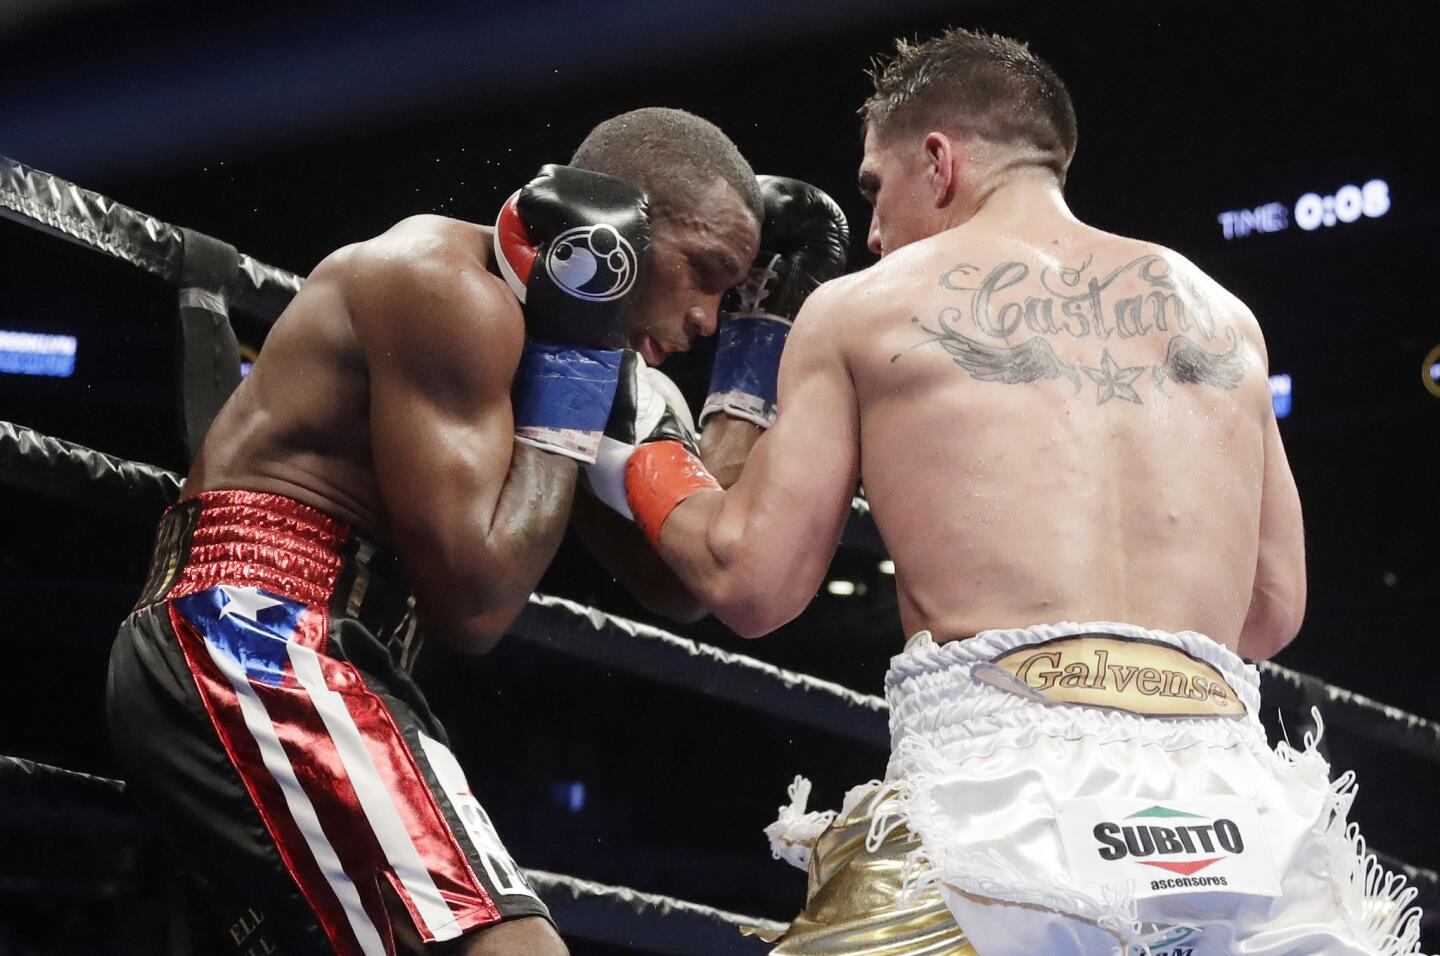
[{"x": 1012, "y": 346}]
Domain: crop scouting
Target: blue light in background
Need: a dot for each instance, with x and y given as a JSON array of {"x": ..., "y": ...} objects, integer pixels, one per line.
[
  {"x": 1280, "y": 394},
  {"x": 37, "y": 353},
  {"x": 570, "y": 794},
  {"x": 245, "y": 368}
]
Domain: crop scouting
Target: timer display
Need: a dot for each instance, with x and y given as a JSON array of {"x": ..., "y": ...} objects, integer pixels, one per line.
[
  {"x": 1311, "y": 211},
  {"x": 1349, "y": 203}
]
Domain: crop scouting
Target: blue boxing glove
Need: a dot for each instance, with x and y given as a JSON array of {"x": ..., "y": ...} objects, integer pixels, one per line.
[
  {"x": 573, "y": 246},
  {"x": 803, "y": 242}
]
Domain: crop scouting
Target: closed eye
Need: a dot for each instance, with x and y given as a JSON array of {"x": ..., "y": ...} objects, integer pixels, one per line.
[
  {"x": 714, "y": 271},
  {"x": 869, "y": 186}
]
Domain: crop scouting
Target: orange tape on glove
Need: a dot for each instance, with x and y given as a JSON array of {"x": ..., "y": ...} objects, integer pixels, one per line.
[{"x": 659, "y": 476}]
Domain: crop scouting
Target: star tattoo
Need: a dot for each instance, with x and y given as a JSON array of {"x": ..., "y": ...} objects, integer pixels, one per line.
[{"x": 1112, "y": 381}]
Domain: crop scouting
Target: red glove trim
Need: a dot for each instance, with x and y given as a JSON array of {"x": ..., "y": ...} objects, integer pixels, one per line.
[
  {"x": 659, "y": 476},
  {"x": 517, "y": 252}
]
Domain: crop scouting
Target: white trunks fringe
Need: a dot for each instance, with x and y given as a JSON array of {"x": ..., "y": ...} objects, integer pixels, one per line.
[{"x": 1103, "y": 788}]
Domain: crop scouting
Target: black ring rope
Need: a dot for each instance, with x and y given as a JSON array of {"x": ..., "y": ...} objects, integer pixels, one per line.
[
  {"x": 52, "y": 205},
  {"x": 619, "y": 915}
]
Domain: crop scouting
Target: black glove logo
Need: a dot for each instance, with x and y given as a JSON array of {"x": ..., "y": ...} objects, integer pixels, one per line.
[{"x": 592, "y": 262}]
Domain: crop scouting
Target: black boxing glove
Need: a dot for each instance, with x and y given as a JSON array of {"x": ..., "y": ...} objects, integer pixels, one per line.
[
  {"x": 803, "y": 242},
  {"x": 572, "y": 245}
]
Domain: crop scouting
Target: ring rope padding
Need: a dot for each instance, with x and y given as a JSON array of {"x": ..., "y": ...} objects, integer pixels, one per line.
[
  {"x": 32, "y": 461},
  {"x": 600, "y": 912},
  {"x": 46, "y": 202}
]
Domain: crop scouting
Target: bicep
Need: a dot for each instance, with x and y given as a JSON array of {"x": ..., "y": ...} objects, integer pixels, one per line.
[
  {"x": 440, "y": 356},
  {"x": 435, "y": 462}
]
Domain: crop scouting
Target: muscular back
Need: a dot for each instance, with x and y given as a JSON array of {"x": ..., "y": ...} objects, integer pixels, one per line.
[{"x": 1062, "y": 428}]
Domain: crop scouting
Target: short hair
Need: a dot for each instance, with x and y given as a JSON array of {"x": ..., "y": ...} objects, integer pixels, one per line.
[
  {"x": 673, "y": 155},
  {"x": 973, "y": 84}
]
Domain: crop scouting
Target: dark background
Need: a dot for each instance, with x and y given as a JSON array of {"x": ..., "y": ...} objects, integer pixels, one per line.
[{"x": 291, "y": 130}]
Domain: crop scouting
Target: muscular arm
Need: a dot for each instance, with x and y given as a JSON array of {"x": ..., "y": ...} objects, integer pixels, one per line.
[
  {"x": 1277, "y": 599},
  {"x": 757, "y": 552},
  {"x": 477, "y": 516},
  {"x": 621, "y": 549}
]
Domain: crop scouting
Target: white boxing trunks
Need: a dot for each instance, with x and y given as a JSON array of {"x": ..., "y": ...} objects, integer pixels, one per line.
[{"x": 1106, "y": 789}]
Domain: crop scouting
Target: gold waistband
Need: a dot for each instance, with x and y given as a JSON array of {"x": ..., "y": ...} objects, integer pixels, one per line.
[{"x": 1136, "y": 675}]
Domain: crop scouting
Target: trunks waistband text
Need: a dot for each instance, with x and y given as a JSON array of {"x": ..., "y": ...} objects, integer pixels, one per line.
[{"x": 1140, "y": 676}]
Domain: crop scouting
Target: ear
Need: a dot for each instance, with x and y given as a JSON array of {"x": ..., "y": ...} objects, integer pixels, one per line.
[{"x": 944, "y": 157}]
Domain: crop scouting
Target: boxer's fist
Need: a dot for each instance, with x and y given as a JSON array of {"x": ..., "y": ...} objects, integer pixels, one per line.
[
  {"x": 648, "y": 407},
  {"x": 573, "y": 245},
  {"x": 803, "y": 242}
]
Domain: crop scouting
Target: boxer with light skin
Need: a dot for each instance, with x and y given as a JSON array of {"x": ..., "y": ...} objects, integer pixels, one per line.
[
  {"x": 1053, "y": 425},
  {"x": 1052, "y": 487}
]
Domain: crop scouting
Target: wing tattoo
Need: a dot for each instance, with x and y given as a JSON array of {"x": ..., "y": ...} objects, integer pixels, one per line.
[
  {"x": 1190, "y": 363},
  {"x": 1031, "y": 361}
]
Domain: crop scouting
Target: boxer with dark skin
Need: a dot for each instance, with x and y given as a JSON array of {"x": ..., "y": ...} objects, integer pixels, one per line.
[
  {"x": 382, "y": 398},
  {"x": 407, "y": 435}
]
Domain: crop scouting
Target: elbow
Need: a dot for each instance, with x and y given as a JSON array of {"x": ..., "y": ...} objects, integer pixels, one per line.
[
  {"x": 477, "y": 641},
  {"x": 477, "y": 631},
  {"x": 1273, "y": 621},
  {"x": 723, "y": 596},
  {"x": 477, "y": 635},
  {"x": 752, "y": 584},
  {"x": 662, "y": 593},
  {"x": 752, "y": 609}
]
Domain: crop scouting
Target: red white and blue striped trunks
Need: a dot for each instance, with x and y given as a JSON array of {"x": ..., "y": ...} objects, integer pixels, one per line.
[{"x": 261, "y": 705}]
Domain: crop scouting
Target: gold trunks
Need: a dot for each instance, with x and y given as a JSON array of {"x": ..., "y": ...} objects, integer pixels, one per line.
[
  {"x": 1137, "y": 675},
  {"x": 851, "y": 904}
]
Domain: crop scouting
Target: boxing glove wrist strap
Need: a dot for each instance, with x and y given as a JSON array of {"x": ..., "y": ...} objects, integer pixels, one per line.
[
  {"x": 744, "y": 379},
  {"x": 659, "y": 476},
  {"x": 562, "y": 397}
]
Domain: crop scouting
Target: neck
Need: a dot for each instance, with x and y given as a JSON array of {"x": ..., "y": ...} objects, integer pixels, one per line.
[{"x": 1012, "y": 195}]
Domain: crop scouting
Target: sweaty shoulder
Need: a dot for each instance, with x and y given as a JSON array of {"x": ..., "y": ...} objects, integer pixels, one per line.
[
  {"x": 1222, "y": 299},
  {"x": 1217, "y": 313},
  {"x": 848, "y": 300},
  {"x": 426, "y": 280}
]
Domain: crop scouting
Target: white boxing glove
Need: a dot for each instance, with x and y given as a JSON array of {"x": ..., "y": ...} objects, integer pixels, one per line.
[{"x": 648, "y": 407}]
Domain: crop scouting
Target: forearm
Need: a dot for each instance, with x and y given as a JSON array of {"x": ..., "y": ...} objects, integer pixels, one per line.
[
  {"x": 622, "y": 551},
  {"x": 725, "y": 445},
  {"x": 525, "y": 529},
  {"x": 749, "y": 574},
  {"x": 501, "y": 552},
  {"x": 701, "y": 559}
]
